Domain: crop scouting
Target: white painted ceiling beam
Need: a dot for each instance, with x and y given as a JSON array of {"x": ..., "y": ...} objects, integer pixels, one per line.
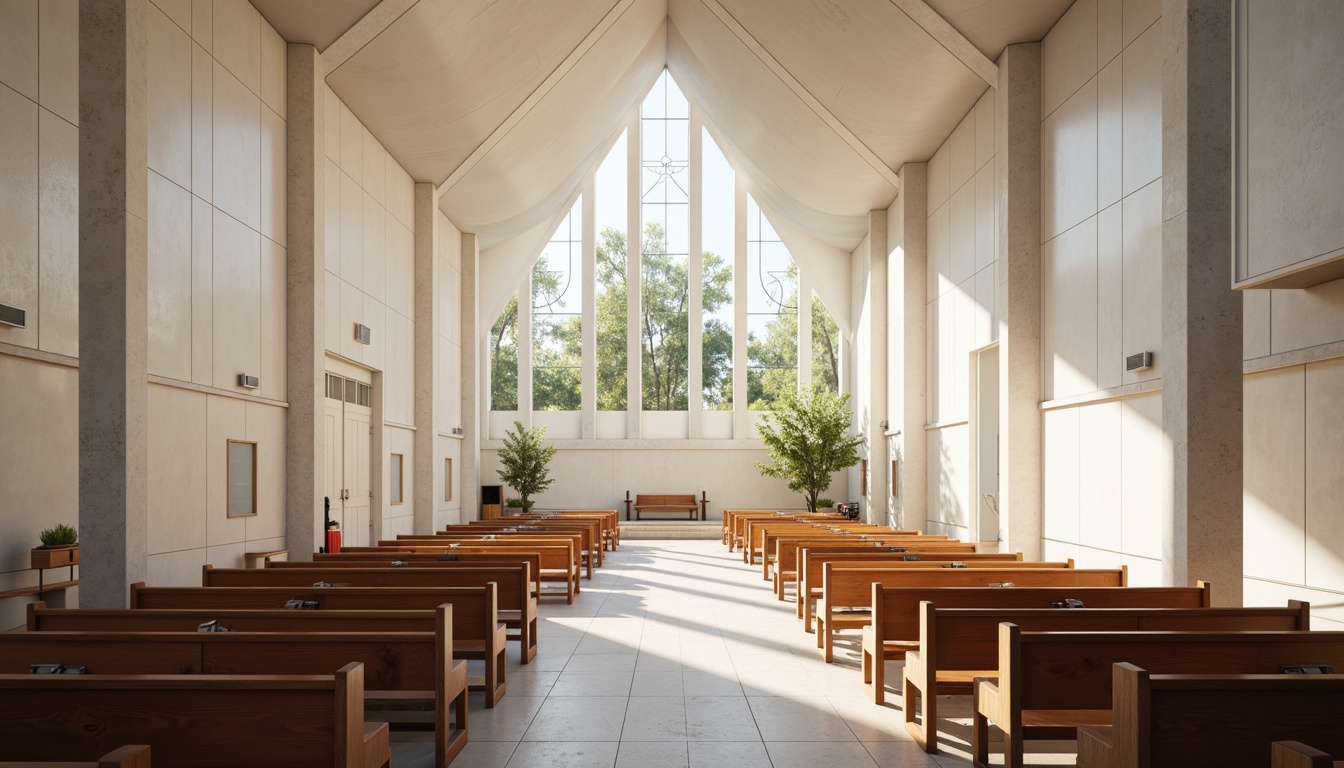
[
  {"x": 868, "y": 155},
  {"x": 366, "y": 29},
  {"x": 948, "y": 37}
]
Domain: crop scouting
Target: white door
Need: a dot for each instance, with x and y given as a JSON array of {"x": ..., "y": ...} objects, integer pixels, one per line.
[{"x": 347, "y": 469}]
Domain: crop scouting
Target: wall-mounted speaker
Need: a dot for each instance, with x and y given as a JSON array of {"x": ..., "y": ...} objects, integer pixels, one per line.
[
  {"x": 363, "y": 334},
  {"x": 457, "y": 430},
  {"x": 1140, "y": 362},
  {"x": 13, "y": 316},
  {"x": 249, "y": 381}
]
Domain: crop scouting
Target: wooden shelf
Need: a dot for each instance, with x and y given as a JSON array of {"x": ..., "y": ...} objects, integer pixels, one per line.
[{"x": 35, "y": 590}]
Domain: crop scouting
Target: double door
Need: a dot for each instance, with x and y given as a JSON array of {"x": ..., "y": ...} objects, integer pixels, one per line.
[{"x": 349, "y": 415}]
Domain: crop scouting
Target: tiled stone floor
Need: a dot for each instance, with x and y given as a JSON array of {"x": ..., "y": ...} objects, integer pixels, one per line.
[{"x": 677, "y": 655}]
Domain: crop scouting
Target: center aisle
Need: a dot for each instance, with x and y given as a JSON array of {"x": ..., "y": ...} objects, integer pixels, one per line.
[{"x": 677, "y": 655}]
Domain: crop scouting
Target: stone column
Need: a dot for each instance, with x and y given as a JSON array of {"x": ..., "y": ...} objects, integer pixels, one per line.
[
  {"x": 305, "y": 299},
  {"x": 907, "y": 299},
  {"x": 1201, "y": 314},
  {"x": 473, "y": 343},
  {"x": 1019, "y": 150},
  {"x": 427, "y": 481},
  {"x": 879, "y": 484},
  {"x": 113, "y": 300}
]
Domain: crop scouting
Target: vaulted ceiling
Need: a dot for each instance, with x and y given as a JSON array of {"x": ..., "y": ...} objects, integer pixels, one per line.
[{"x": 507, "y": 104}]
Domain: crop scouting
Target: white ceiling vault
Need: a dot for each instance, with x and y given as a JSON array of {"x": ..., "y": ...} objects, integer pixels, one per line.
[{"x": 507, "y": 104}]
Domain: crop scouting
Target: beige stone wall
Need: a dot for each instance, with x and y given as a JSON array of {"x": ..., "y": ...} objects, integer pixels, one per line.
[
  {"x": 1294, "y": 398},
  {"x": 962, "y": 292},
  {"x": 1101, "y": 217}
]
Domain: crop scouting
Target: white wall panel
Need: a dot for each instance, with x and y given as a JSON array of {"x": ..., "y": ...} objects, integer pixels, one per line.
[
  {"x": 1069, "y": 301},
  {"x": 962, "y": 229},
  {"x": 273, "y": 58},
  {"x": 170, "y": 288},
  {"x": 202, "y": 292},
  {"x": 202, "y": 123},
  {"x": 273, "y": 176},
  {"x": 273, "y": 314},
  {"x": 1141, "y": 215},
  {"x": 1061, "y": 475},
  {"x": 237, "y": 301},
  {"x": 178, "y": 463},
  {"x": 373, "y": 177},
  {"x": 58, "y": 54},
  {"x": 237, "y": 149},
  {"x": 374, "y": 280},
  {"x": 1110, "y": 298},
  {"x": 237, "y": 41},
  {"x": 1306, "y": 318},
  {"x": 1100, "y": 473},
  {"x": 1069, "y": 162},
  {"x": 1068, "y": 55},
  {"x": 266, "y": 427},
  {"x": 18, "y": 47},
  {"x": 1146, "y": 475},
  {"x": 226, "y": 420},
  {"x": 1142, "y": 120},
  {"x": 1275, "y": 474},
  {"x": 1325, "y": 483},
  {"x": 169, "y": 84},
  {"x": 18, "y": 212},
  {"x": 58, "y": 232}
]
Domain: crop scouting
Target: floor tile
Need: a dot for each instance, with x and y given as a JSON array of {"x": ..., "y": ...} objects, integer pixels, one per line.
[
  {"x": 652, "y": 754},
  {"x": 810, "y": 754},
  {"x": 549, "y": 754},
  {"x": 728, "y": 754},
  {"x": 578, "y": 718}
]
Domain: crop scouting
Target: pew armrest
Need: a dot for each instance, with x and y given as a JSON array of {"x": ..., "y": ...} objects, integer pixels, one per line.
[
  {"x": 1095, "y": 748},
  {"x": 377, "y": 747}
]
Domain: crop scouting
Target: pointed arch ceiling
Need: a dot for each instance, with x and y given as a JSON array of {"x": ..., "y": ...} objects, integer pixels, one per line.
[{"x": 507, "y": 103}]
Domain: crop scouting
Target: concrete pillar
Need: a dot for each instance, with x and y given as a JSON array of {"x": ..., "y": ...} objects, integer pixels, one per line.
[
  {"x": 1019, "y": 150},
  {"x": 588, "y": 331},
  {"x": 879, "y": 483},
  {"x": 473, "y": 346},
  {"x": 907, "y": 300},
  {"x": 305, "y": 298},
  {"x": 1201, "y": 314},
  {"x": 427, "y": 480},
  {"x": 113, "y": 300}
]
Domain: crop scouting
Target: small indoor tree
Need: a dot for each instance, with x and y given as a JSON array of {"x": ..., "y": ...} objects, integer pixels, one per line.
[
  {"x": 809, "y": 439},
  {"x": 526, "y": 462}
]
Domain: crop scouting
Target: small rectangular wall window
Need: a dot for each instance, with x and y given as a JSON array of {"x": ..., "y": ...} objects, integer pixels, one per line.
[
  {"x": 242, "y": 478},
  {"x": 396, "y": 479},
  {"x": 447, "y": 479}
]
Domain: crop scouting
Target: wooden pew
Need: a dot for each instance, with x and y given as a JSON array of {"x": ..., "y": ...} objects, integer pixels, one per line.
[
  {"x": 738, "y": 536},
  {"x": 812, "y": 560},
  {"x": 516, "y": 606},
  {"x": 195, "y": 721},
  {"x": 896, "y": 610},
  {"x": 1052, "y": 682},
  {"x": 589, "y": 545},
  {"x": 402, "y": 670},
  {"x": 477, "y": 631},
  {"x": 678, "y": 503},
  {"x": 1295, "y": 754},
  {"x": 730, "y": 516},
  {"x": 135, "y": 756},
  {"x": 957, "y": 645},
  {"x": 387, "y": 554},
  {"x": 847, "y": 593},
  {"x": 1223, "y": 720},
  {"x": 789, "y": 555},
  {"x": 756, "y": 529},
  {"x": 771, "y": 537},
  {"x": 611, "y": 523},
  {"x": 504, "y": 536}
]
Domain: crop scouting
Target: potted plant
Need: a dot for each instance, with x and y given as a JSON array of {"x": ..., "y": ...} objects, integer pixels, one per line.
[
  {"x": 526, "y": 462},
  {"x": 808, "y": 439},
  {"x": 59, "y": 548}
]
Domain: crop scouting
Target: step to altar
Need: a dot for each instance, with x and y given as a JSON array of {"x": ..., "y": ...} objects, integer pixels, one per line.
[{"x": 671, "y": 529}]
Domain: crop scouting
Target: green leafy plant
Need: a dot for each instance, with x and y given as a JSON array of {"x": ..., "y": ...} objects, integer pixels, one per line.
[
  {"x": 526, "y": 462},
  {"x": 513, "y": 503},
  {"x": 809, "y": 439},
  {"x": 825, "y": 503},
  {"x": 60, "y": 536}
]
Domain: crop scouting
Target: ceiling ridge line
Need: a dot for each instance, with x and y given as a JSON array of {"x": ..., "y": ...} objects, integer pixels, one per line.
[
  {"x": 944, "y": 34},
  {"x": 362, "y": 32},
  {"x": 799, "y": 90},
  {"x": 540, "y": 92}
]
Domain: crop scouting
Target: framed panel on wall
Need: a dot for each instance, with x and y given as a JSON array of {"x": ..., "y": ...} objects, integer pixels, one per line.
[
  {"x": 241, "y": 479},
  {"x": 398, "y": 487}
]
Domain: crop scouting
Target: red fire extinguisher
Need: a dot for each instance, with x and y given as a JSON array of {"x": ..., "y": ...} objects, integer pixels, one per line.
[{"x": 333, "y": 536}]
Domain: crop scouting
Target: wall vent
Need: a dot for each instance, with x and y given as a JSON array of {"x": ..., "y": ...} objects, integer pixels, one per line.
[
  {"x": 457, "y": 430},
  {"x": 1140, "y": 362},
  {"x": 248, "y": 381},
  {"x": 363, "y": 334},
  {"x": 13, "y": 316}
]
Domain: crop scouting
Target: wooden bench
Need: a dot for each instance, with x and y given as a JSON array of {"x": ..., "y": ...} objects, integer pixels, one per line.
[
  {"x": 610, "y": 519},
  {"x": 756, "y": 529},
  {"x": 812, "y": 560},
  {"x": 578, "y": 540},
  {"x": 1295, "y": 754},
  {"x": 402, "y": 670},
  {"x": 847, "y": 593},
  {"x": 957, "y": 645},
  {"x": 677, "y": 503},
  {"x": 789, "y": 554},
  {"x": 515, "y": 605},
  {"x": 1223, "y": 720},
  {"x": 771, "y": 537},
  {"x": 195, "y": 721},
  {"x": 1050, "y": 683},
  {"x": 477, "y": 631},
  {"x": 732, "y": 536},
  {"x": 135, "y": 756},
  {"x": 589, "y": 545},
  {"x": 896, "y": 620},
  {"x": 387, "y": 555}
]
